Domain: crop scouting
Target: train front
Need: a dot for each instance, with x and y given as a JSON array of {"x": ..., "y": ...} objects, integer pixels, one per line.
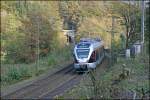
[{"x": 82, "y": 52}]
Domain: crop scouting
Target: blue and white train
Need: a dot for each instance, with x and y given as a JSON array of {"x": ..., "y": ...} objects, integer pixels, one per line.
[{"x": 88, "y": 53}]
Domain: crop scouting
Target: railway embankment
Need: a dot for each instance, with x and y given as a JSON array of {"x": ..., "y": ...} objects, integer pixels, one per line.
[
  {"x": 15, "y": 73},
  {"x": 24, "y": 83}
]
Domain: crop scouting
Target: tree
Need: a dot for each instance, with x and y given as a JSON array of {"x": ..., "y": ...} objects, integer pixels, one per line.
[
  {"x": 21, "y": 29},
  {"x": 70, "y": 13},
  {"x": 41, "y": 25},
  {"x": 128, "y": 14},
  {"x": 147, "y": 22}
]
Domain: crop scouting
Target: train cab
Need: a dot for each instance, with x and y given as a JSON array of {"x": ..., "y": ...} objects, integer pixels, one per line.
[{"x": 88, "y": 54}]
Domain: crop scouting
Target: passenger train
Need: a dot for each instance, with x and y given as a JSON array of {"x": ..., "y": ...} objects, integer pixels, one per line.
[{"x": 88, "y": 53}]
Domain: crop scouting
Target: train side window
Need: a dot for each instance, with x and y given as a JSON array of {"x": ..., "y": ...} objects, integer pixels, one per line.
[
  {"x": 97, "y": 54},
  {"x": 93, "y": 57},
  {"x": 100, "y": 52}
]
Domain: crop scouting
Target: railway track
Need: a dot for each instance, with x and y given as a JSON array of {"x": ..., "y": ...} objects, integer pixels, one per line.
[
  {"x": 49, "y": 86},
  {"x": 39, "y": 88}
]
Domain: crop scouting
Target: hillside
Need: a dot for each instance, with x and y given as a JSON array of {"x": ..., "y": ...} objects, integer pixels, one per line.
[{"x": 33, "y": 41}]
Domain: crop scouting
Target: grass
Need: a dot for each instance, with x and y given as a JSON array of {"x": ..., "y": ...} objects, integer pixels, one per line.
[
  {"x": 135, "y": 81},
  {"x": 13, "y": 73}
]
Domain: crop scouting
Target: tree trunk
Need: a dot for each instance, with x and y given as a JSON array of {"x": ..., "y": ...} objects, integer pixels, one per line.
[
  {"x": 127, "y": 43},
  {"x": 127, "y": 36}
]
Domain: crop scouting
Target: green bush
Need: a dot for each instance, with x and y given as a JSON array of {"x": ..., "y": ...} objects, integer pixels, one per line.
[
  {"x": 5, "y": 78},
  {"x": 59, "y": 55},
  {"x": 24, "y": 72},
  {"x": 51, "y": 60},
  {"x": 14, "y": 74}
]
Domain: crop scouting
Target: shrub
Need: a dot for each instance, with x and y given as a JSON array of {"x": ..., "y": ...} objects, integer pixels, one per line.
[
  {"x": 5, "y": 78},
  {"x": 24, "y": 72},
  {"x": 51, "y": 61},
  {"x": 14, "y": 74}
]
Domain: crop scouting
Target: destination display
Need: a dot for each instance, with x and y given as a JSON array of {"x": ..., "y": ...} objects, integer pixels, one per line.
[{"x": 83, "y": 45}]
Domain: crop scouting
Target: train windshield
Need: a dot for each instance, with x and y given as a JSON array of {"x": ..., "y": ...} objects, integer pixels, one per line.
[
  {"x": 83, "y": 45},
  {"x": 82, "y": 53}
]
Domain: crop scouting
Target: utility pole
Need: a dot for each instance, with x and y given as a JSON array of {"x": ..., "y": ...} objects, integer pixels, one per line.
[
  {"x": 142, "y": 25},
  {"x": 37, "y": 64},
  {"x": 38, "y": 45},
  {"x": 112, "y": 42},
  {"x": 142, "y": 21}
]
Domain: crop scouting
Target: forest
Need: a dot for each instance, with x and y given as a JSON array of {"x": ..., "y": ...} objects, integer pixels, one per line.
[{"x": 25, "y": 23}]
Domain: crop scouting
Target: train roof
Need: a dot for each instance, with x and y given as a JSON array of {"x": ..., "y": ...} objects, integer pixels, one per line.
[
  {"x": 88, "y": 42},
  {"x": 92, "y": 40}
]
